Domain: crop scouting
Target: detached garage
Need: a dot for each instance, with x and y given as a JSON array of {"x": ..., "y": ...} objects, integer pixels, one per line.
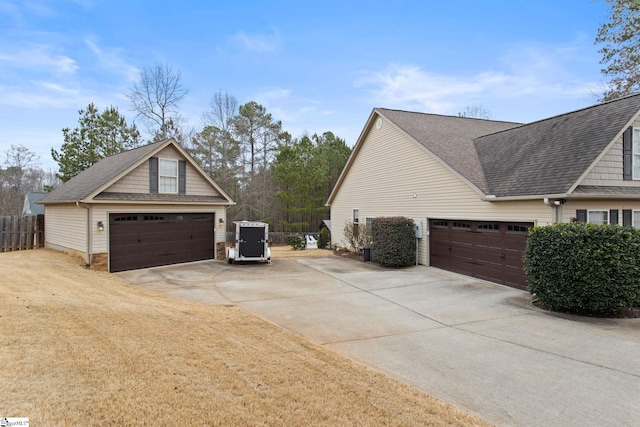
[{"x": 145, "y": 207}]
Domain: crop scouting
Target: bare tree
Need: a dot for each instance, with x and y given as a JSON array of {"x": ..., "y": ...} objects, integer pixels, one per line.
[
  {"x": 475, "y": 112},
  {"x": 357, "y": 235},
  {"x": 19, "y": 177},
  {"x": 156, "y": 99},
  {"x": 222, "y": 110}
]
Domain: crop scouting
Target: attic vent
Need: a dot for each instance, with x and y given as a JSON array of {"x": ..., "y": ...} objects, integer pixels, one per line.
[{"x": 378, "y": 123}]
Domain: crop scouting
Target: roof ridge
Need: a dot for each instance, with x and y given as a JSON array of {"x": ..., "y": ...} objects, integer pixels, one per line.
[
  {"x": 568, "y": 113},
  {"x": 449, "y": 116}
]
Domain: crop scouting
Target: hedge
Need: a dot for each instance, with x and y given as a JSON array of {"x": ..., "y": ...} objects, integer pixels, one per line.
[
  {"x": 394, "y": 241},
  {"x": 584, "y": 268}
]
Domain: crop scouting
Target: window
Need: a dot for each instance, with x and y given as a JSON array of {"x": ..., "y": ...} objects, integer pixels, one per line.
[
  {"x": 489, "y": 227},
  {"x": 168, "y": 176},
  {"x": 367, "y": 222},
  {"x": 356, "y": 215},
  {"x": 598, "y": 217},
  {"x": 636, "y": 219},
  {"x": 518, "y": 228},
  {"x": 461, "y": 224},
  {"x": 636, "y": 153}
]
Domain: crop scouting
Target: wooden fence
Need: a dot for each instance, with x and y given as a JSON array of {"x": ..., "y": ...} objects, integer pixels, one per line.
[{"x": 21, "y": 232}]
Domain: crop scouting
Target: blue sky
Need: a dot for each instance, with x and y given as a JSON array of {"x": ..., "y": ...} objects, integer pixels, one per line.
[{"x": 316, "y": 66}]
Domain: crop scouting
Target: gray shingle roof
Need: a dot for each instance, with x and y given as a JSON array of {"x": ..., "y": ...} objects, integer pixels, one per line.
[
  {"x": 450, "y": 138},
  {"x": 91, "y": 179},
  {"x": 510, "y": 159},
  {"x": 549, "y": 156},
  {"x": 609, "y": 191}
]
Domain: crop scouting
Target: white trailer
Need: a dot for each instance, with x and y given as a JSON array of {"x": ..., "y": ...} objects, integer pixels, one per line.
[{"x": 251, "y": 242}]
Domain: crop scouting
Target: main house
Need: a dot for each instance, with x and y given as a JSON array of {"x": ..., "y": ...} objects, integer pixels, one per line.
[
  {"x": 477, "y": 186},
  {"x": 145, "y": 207}
]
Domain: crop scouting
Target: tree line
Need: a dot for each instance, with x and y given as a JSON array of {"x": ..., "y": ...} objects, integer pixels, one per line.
[{"x": 271, "y": 176}]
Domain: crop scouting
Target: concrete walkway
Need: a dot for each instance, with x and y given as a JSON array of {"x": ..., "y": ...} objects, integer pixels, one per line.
[{"x": 477, "y": 345}]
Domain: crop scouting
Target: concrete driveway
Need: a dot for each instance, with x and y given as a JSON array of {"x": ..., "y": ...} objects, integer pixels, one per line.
[{"x": 477, "y": 345}]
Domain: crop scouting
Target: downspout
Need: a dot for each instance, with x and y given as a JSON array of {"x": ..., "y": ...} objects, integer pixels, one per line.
[
  {"x": 557, "y": 205},
  {"x": 88, "y": 258},
  {"x": 549, "y": 203}
]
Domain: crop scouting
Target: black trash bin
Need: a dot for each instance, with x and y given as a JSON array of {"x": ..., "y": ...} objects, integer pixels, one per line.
[{"x": 367, "y": 253}]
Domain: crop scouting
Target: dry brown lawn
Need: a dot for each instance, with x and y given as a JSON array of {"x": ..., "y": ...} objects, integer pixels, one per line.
[{"x": 80, "y": 347}]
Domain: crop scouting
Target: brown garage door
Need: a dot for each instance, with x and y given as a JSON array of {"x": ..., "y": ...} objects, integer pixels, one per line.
[
  {"x": 487, "y": 250},
  {"x": 149, "y": 240}
]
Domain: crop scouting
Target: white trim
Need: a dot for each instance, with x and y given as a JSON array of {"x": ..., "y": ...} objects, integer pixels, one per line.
[
  {"x": 175, "y": 177},
  {"x": 635, "y": 152},
  {"x": 635, "y": 213},
  {"x": 606, "y": 212}
]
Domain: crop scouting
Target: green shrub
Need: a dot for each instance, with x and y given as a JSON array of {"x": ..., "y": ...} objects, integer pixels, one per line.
[
  {"x": 296, "y": 241},
  {"x": 394, "y": 241},
  {"x": 323, "y": 238},
  {"x": 584, "y": 268}
]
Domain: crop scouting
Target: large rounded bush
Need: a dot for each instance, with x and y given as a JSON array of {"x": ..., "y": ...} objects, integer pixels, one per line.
[
  {"x": 584, "y": 268},
  {"x": 394, "y": 241}
]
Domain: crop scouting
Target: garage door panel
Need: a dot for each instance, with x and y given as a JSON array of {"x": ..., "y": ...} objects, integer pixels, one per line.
[
  {"x": 150, "y": 240},
  {"x": 488, "y": 250}
]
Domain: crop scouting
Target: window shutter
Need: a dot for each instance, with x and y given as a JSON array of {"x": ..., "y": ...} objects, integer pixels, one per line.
[
  {"x": 613, "y": 216},
  {"x": 627, "y": 216},
  {"x": 627, "y": 154},
  {"x": 581, "y": 215},
  {"x": 153, "y": 175},
  {"x": 182, "y": 177}
]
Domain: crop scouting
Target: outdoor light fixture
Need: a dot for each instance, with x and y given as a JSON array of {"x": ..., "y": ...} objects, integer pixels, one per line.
[
  {"x": 221, "y": 222},
  {"x": 100, "y": 226}
]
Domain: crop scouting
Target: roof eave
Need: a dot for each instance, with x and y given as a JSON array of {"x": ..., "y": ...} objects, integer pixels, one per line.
[
  {"x": 568, "y": 196},
  {"x": 362, "y": 137},
  {"x": 350, "y": 160},
  {"x": 524, "y": 197},
  {"x": 159, "y": 202}
]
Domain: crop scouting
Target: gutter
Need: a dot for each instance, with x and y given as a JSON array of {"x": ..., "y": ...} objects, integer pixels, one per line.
[{"x": 493, "y": 198}]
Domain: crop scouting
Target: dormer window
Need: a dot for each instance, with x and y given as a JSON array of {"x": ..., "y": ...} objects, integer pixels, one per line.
[{"x": 168, "y": 176}]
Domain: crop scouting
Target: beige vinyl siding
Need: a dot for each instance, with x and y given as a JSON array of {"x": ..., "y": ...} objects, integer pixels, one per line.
[
  {"x": 390, "y": 168},
  {"x": 101, "y": 213},
  {"x": 137, "y": 181},
  {"x": 66, "y": 227},
  {"x": 608, "y": 171}
]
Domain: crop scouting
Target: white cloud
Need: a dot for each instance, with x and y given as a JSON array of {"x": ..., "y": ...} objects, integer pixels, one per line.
[
  {"x": 113, "y": 59},
  {"x": 40, "y": 95},
  {"x": 532, "y": 72},
  {"x": 263, "y": 43},
  {"x": 39, "y": 57}
]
